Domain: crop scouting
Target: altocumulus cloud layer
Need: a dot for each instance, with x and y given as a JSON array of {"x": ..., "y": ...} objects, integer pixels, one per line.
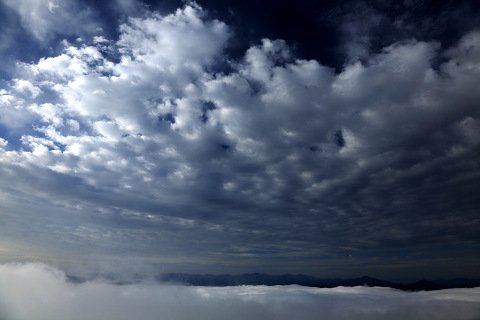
[
  {"x": 157, "y": 145},
  {"x": 35, "y": 291}
]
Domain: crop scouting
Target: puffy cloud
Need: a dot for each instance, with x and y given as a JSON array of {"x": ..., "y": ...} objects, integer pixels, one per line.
[
  {"x": 267, "y": 156},
  {"x": 40, "y": 292}
]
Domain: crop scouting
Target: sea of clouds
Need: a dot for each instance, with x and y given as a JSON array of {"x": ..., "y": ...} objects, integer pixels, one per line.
[{"x": 37, "y": 291}]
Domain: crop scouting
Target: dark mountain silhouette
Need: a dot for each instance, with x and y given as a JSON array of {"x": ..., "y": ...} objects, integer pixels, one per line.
[
  {"x": 459, "y": 283},
  {"x": 246, "y": 279},
  {"x": 223, "y": 280},
  {"x": 309, "y": 281},
  {"x": 422, "y": 285},
  {"x": 366, "y": 281}
]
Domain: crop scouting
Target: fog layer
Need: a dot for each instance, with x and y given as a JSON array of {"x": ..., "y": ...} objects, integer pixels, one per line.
[{"x": 37, "y": 291}]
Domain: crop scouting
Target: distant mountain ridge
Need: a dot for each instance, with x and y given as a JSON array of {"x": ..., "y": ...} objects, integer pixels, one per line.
[
  {"x": 309, "y": 281},
  {"x": 223, "y": 280}
]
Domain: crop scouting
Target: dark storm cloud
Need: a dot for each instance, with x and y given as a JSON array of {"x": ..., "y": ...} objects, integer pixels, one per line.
[{"x": 131, "y": 143}]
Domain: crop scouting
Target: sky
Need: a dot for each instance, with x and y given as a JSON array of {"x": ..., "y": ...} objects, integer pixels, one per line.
[{"x": 334, "y": 139}]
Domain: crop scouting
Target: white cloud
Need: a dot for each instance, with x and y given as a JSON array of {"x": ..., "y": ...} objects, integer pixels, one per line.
[
  {"x": 3, "y": 143},
  {"x": 44, "y": 19},
  {"x": 183, "y": 40},
  {"x": 35, "y": 291},
  {"x": 25, "y": 86}
]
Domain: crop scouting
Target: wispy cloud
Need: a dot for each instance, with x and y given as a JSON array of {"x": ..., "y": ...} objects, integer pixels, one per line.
[{"x": 47, "y": 19}]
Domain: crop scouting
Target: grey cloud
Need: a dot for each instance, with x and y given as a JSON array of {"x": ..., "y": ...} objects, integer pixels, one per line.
[{"x": 290, "y": 152}]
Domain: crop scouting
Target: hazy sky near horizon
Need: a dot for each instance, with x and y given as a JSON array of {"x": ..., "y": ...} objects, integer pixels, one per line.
[{"x": 317, "y": 137}]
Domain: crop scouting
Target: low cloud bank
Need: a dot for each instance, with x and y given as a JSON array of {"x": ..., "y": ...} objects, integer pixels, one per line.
[{"x": 37, "y": 291}]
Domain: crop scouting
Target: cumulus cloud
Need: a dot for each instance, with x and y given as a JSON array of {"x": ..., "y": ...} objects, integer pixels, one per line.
[
  {"x": 35, "y": 291},
  {"x": 158, "y": 134}
]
